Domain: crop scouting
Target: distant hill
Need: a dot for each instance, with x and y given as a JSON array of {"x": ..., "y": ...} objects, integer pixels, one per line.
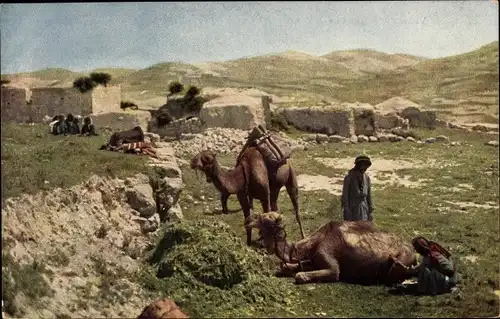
[
  {"x": 355, "y": 75},
  {"x": 369, "y": 61},
  {"x": 453, "y": 77}
]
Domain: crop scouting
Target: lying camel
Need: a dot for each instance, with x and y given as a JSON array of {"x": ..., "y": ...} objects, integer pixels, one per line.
[
  {"x": 353, "y": 251},
  {"x": 251, "y": 178}
]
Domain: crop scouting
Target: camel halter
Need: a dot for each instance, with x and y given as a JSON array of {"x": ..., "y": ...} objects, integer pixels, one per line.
[{"x": 290, "y": 253}]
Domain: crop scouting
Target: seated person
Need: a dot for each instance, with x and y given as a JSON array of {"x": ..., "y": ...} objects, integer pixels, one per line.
[
  {"x": 57, "y": 126},
  {"x": 72, "y": 125},
  {"x": 88, "y": 128},
  {"x": 436, "y": 273}
]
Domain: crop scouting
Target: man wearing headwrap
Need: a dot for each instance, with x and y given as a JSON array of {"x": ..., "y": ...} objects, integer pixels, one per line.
[
  {"x": 436, "y": 273},
  {"x": 72, "y": 125},
  {"x": 356, "y": 193},
  {"x": 88, "y": 128}
]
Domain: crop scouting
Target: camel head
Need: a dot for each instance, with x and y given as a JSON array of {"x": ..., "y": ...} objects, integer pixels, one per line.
[
  {"x": 205, "y": 162},
  {"x": 271, "y": 228}
]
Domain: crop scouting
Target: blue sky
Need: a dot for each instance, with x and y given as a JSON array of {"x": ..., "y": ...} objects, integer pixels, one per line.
[{"x": 84, "y": 36}]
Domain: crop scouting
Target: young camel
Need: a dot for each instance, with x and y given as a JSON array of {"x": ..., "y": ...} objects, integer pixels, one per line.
[
  {"x": 353, "y": 251},
  {"x": 251, "y": 178}
]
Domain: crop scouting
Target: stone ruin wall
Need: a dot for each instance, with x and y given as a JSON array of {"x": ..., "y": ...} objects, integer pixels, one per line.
[
  {"x": 54, "y": 101},
  {"x": 176, "y": 128},
  {"x": 106, "y": 99},
  {"x": 361, "y": 121},
  {"x": 14, "y": 107},
  {"x": 326, "y": 120},
  {"x": 364, "y": 122},
  {"x": 266, "y": 104}
]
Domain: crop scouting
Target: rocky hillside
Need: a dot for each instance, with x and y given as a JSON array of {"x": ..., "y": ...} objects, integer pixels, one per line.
[{"x": 78, "y": 251}]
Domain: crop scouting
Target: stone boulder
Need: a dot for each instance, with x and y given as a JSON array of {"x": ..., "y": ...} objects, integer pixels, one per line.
[
  {"x": 389, "y": 121},
  {"x": 236, "y": 111},
  {"x": 140, "y": 197},
  {"x": 161, "y": 309},
  {"x": 330, "y": 120},
  {"x": 336, "y": 139},
  {"x": 492, "y": 143}
]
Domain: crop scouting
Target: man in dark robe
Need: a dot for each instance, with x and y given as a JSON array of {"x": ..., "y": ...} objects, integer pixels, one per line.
[
  {"x": 356, "y": 192},
  {"x": 88, "y": 128},
  {"x": 72, "y": 125}
]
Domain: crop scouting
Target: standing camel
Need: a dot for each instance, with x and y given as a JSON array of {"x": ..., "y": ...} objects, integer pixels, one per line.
[{"x": 251, "y": 178}]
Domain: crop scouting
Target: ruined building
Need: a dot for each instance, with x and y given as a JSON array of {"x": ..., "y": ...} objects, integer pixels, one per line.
[{"x": 54, "y": 101}]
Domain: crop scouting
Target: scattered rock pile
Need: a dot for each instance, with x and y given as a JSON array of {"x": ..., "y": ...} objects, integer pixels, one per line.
[
  {"x": 394, "y": 136},
  {"x": 220, "y": 140}
]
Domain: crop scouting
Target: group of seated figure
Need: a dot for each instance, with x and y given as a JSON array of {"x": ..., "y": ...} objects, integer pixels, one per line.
[{"x": 71, "y": 126}]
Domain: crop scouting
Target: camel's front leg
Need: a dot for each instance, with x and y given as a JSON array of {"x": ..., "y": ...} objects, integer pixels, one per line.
[
  {"x": 292, "y": 188},
  {"x": 250, "y": 202},
  {"x": 245, "y": 206},
  {"x": 290, "y": 269},
  {"x": 274, "y": 194},
  {"x": 223, "y": 200},
  {"x": 330, "y": 271},
  {"x": 265, "y": 200}
]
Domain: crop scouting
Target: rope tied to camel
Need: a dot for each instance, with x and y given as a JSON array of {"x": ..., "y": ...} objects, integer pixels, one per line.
[{"x": 293, "y": 249}]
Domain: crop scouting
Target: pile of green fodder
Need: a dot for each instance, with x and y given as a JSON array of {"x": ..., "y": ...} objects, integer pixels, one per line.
[{"x": 210, "y": 272}]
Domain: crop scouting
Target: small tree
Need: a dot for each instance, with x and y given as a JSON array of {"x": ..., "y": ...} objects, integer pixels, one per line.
[
  {"x": 84, "y": 84},
  {"x": 163, "y": 118},
  {"x": 175, "y": 87},
  {"x": 100, "y": 78},
  {"x": 192, "y": 92}
]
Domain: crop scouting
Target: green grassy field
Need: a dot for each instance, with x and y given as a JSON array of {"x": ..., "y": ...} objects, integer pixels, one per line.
[
  {"x": 33, "y": 160},
  {"x": 466, "y": 232}
]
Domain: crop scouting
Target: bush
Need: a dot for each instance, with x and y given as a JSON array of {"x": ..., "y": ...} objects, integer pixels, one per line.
[
  {"x": 128, "y": 104},
  {"x": 84, "y": 84},
  {"x": 279, "y": 122},
  {"x": 192, "y": 92},
  {"x": 193, "y": 104},
  {"x": 4, "y": 82},
  {"x": 175, "y": 87},
  {"x": 101, "y": 78},
  {"x": 163, "y": 118}
]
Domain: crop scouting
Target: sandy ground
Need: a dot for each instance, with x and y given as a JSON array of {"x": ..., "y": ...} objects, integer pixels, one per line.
[{"x": 382, "y": 173}]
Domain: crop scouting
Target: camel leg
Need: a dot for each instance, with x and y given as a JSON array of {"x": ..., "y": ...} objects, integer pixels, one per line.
[
  {"x": 275, "y": 192},
  {"x": 330, "y": 273},
  {"x": 265, "y": 198},
  {"x": 250, "y": 202},
  {"x": 245, "y": 206},
  {"x": 223, "y": 201},
  {"x": 292, "y": 188},
  {"x": 291, "y": 269}
]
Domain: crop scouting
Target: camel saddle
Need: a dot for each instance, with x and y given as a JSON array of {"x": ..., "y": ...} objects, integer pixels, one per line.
[{"x": 274, "y": 150}]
